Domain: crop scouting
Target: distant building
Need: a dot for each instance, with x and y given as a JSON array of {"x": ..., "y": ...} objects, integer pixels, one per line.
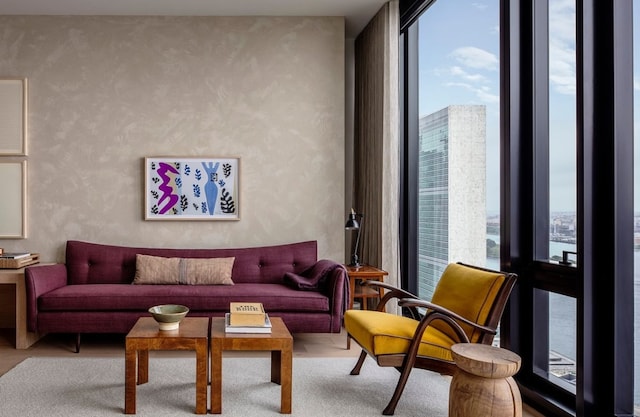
[{"x": 452, "y": 192}]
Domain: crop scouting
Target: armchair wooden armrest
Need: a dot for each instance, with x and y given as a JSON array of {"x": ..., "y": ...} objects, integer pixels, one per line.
[
  {"x": 373, "y": 283},
  {"x": 444, "y": 313},
  {"x": 392, "y": 292}
]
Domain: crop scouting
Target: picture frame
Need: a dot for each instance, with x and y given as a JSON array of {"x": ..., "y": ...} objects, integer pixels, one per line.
[
  {"x": 13, "y": 199},
  {"x": 13, "y": 116},
  {"x": 192, "y": 188}
]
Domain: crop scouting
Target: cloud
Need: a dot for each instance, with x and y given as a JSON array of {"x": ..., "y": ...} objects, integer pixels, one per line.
[
  {"x": 469, "y": 74},
  {"x": 483, "y": 93},
  {"x": 562, "y": 46},
  {"x": 481, "y": 6},
  {"x": 473, "y": 57},
  {"x": 458, "y": 71}
]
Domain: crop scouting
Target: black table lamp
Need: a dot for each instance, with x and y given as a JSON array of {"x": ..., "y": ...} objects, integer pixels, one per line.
[{"x": 354, "y": 224}]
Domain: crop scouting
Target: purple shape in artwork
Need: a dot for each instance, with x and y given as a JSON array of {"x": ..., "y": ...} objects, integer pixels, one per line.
[{"x": 167, "y": 190}]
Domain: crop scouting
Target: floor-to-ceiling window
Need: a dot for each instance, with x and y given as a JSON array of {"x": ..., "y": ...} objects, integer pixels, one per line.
[
  {"x": 458, "y": 137},
  {"x": 563, "y": 179},
  {"x": 562, "y": 323}
]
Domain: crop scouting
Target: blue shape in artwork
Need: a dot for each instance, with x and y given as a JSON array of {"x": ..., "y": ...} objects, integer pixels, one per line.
[
  {"x": 196, "y": 190},
  {"x": 210, "y": 188},
  {"x": 204, "y": 207}
]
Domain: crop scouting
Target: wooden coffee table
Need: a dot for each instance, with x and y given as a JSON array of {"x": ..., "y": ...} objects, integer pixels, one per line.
[
  {"x": 279, "y": 342},
  {"x": 146, "y": 335}
]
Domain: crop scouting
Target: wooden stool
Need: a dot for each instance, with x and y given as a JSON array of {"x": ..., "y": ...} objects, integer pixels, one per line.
[{"x": 483, "y": 384}]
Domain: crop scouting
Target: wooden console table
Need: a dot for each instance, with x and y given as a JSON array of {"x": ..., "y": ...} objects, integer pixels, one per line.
[{"x": 15, "y": 277}]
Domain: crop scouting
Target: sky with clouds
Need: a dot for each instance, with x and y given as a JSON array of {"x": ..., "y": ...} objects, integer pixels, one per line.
[{"x": 459, "y": 64}]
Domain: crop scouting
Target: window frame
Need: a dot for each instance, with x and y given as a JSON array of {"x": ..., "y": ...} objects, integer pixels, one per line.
[{"x": 602, "y": 284}]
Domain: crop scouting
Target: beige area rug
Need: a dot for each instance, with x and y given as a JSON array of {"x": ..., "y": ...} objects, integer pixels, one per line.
[{"x": 85, "y": 387}]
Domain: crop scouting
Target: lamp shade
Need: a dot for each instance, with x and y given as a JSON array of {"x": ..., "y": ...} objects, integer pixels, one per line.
[{"x": 352, "y": 222}]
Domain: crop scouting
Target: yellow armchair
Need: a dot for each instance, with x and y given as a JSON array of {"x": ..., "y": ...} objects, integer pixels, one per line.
[{"x": 466, "y": 306}]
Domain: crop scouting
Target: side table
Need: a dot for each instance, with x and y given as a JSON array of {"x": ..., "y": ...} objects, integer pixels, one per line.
[
  {"x": 361, "y": 273},
  {"x": 15, "y": 277},
  {"x": 483, "y": 384},
  {"x": 193, "y": 334}
]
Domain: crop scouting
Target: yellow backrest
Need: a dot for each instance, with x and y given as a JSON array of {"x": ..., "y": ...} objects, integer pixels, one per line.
[{"x": 468, "y": 292}]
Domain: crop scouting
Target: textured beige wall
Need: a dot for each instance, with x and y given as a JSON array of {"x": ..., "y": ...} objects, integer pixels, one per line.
[{"x": 104, "y": 92}]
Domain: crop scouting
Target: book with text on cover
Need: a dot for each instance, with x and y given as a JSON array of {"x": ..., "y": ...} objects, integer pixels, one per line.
[
  {"x": 246, "y": 314},
  {"x": 264, "y": 328},
  {"x": 14, "y": 255}
]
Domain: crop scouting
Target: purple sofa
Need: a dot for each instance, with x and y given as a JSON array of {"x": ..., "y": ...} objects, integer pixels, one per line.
[{"x": 92, "y": 291}]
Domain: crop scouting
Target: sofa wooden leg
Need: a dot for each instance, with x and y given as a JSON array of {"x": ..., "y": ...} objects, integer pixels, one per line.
[{"x": 77, "y": 342}]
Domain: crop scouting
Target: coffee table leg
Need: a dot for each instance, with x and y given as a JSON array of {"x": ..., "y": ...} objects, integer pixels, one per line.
[
  {"x": 143, "y": 367},
  {"x": 216, "y": 377},
  {"x": 276, "y": 365},
  {"x": 281, "y": 369},
  {"x": 201, "y": 377},
  {"x": 286, "y": 368},
  {"x": 130, "y": 381}
]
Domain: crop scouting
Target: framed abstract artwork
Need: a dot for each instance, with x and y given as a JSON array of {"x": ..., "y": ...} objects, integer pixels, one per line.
[
  {"x": 192, "y": 188},
  {"x": 13, "y": 199},
  {"x": 13, "y": 116}
]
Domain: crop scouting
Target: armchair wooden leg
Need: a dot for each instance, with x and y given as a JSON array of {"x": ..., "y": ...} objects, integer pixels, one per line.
[
  {"x": 404, "y": 376},
  {"x": 356, "y": 369},
  {"x": 77, "y": 342}
]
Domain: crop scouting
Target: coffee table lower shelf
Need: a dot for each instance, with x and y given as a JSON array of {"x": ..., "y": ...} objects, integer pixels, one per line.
[{"x": 279, "y": 342}]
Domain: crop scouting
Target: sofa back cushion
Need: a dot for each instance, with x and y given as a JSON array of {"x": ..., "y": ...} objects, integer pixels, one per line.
[{"x": 92, "y": 263}]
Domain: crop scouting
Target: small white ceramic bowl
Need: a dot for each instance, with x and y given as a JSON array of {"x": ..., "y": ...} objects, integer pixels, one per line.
[{"x": 169, "y": 316}]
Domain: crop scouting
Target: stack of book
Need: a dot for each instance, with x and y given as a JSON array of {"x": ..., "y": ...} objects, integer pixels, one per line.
[
  {"x": 15, "y": 260},
  {"x": 247, "y": 318},
  {"x": 14, "y": 255}
]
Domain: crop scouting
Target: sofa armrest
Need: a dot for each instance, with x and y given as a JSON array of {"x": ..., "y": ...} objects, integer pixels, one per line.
[
  {"x": 337, "y": 289},
  {"x": 40, "y": 280}
]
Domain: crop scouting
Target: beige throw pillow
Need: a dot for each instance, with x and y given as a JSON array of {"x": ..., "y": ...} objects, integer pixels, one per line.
[
  {"x": 186, "y": 271},
  {"x": 208, "y": 271}
]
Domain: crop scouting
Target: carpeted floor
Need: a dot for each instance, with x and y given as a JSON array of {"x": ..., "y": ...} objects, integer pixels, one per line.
[{"x": 321, "y": 387}]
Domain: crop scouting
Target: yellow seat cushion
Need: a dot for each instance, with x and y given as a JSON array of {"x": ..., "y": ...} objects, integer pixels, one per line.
[{"x": 383, "y": 334}]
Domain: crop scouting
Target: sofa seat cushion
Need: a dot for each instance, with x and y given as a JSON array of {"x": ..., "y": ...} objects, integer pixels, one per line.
[{"x": 122, "y": 297}]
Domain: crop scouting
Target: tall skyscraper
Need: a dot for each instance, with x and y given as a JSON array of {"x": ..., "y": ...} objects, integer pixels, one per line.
[{"x": 452, "y": 192}]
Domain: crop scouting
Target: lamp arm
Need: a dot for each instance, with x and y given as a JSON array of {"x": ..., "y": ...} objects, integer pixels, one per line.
[{"x": 355, "y": 251}]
